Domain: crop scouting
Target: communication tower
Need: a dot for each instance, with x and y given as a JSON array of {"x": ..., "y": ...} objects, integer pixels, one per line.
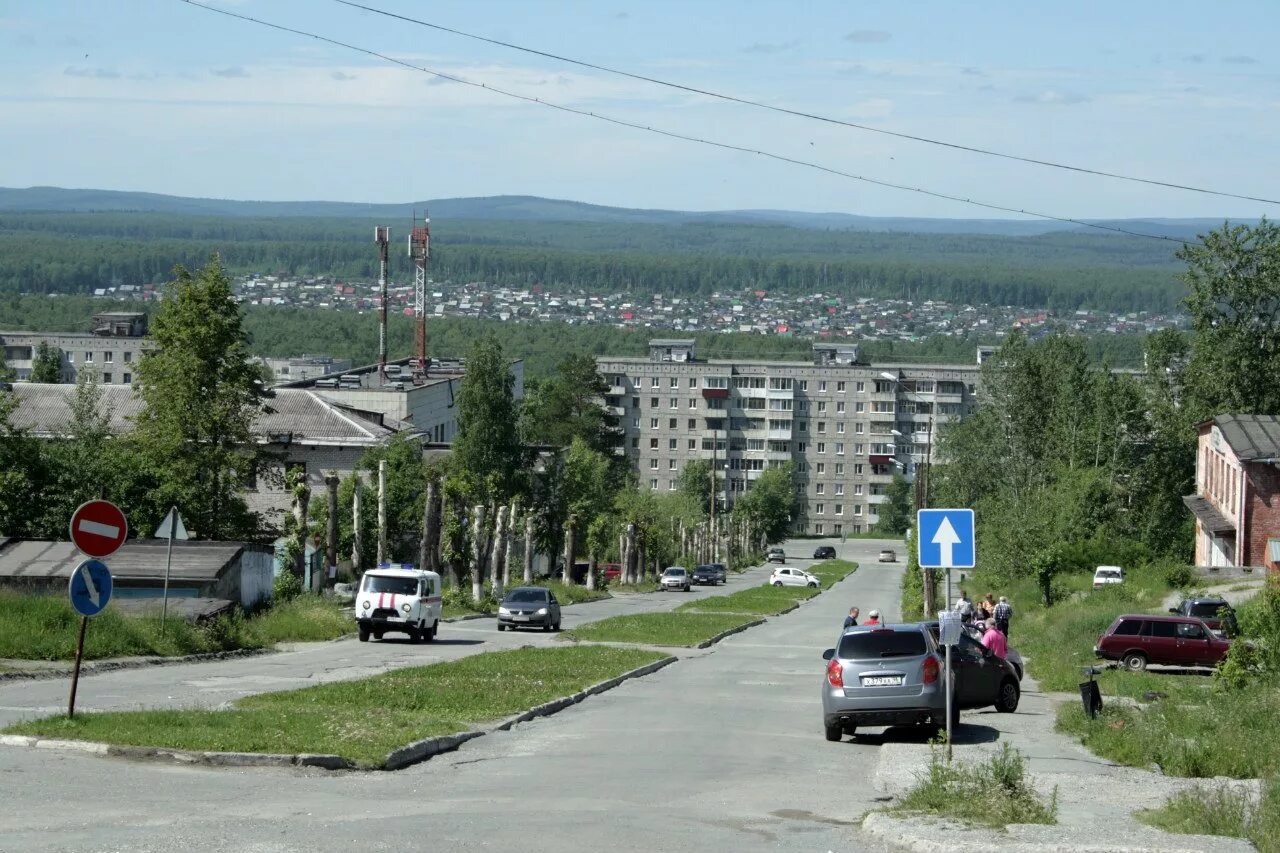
[
  {"x": 420, "y": 251},
  {"x": 382, "y": 236}
]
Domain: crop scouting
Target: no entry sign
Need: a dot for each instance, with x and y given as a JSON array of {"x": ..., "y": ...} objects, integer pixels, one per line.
[{"x": 98, "y": 528}]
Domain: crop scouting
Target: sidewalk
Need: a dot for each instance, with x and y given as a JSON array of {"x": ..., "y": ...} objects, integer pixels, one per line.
[{"x": 1096, "y": 799}]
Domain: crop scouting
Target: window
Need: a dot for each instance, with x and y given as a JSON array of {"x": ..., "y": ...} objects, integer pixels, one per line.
[
  {"x": 671, "y": 423},
  {"x": 653, "y": 463},
  {"x": 671, "y": 443},
  {"x": 635, "y": 423},
  {"x": 840, "y": 427},
  {"x": 693, "y": 444},
  {"x": 780, "y": 384},
  {"x": 653, "y": 402},
  {"x": 675, "y": 382},
  {"x": 128, "y": 356},
  {"x": 755, "y": 444},
  {"x": 804, "y": 384},
  {"x": 693, "y": 402},
  {"x": 839, "y": 489},
  {"x": 673, "y": 402},
  {"x": 71, "y": 358},
  {"x": 819, "y": 509},
  {"x": 88, "y": 358},
  {"x": 653, "y": 383},
  {"x": 857, "y": 509},
  {"x": 107, "y": 357},
  {"x": 883, "y": 406},
  {"x": 671, "y": 464},
  {"x": 820, "y": 489},
  {"x": 822, "y": 406},
  {"x": 1162, "y": 629},
  {"x": 859, "y": 407},
  {"x": 653, "y": 484},
  {"x": 671, "y": 485},
  {"x": 839, "y": 528},
  {"x": 804, "y": 426},
  {"x": 857, "y": 488},
  {"x": 884, "y": 387},
  {"x": 653, "y": 423},
  {"x": 635, "y": 402},
  {"x": 859, "y": 449},
  {"x": 693, "y": 423},
  {"x": 780, "y": 405},
  {"x": 693, "y": 382},
  {"x": 822, "y": 426},
  {"x": 1129, "y": 628},
  {"x": 839, "y": 469},
  {"x": 800, "y": 446},
  {"x": 822, "y": 468},
  {"x": 822, "y": 386},
  {"x": 817, "y": 528},
  {"x": 127, "y": 379},
  {"x": 653, "y": 444},
  {"x": 106, "y": 379},
  {"x": 840, "y": 448},
  {"x": 858, "y": 427},
  {"x": 635, "y": 443},
  {"x": 822, "y": 447},
  {"x": 839, "y": 509},
  {"x": 862, "y": 386},
  {"x": 840, "y": 407},
  {"x": 857, "y": 469},
  {"x": 839, "y": 386}
]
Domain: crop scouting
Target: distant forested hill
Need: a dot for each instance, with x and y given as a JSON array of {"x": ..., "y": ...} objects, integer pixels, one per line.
[{"x": 76, "y": 252}]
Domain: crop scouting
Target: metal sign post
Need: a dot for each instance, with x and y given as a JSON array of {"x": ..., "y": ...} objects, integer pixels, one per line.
[
  {"x": 949, "y": 630},
  {"x": 171, "y": 528},
  {"x": 946, "y": 540},
  {"x": 89, "y": 591}
]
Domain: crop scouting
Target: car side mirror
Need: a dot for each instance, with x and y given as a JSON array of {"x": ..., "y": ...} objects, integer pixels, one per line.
[
  {"x": 828, "y": 654},
  {"x": 1173, "y": 610}
]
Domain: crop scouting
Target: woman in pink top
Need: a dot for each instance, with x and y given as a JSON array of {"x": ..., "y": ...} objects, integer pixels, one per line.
[{"x": 995, "y": 641}]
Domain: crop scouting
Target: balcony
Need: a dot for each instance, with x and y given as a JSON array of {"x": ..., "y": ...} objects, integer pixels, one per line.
[
  {"x": 616, "y": 411},
  {"x": 877, "y": 499},
  {"x": 780, "y": 434},
  {"x": 616, "y": 391},
  {"x": 781, "y": 393},
  {"x": 942, "y": 399},
  {"x": 880, "y": 459},
  {"x": 715, "y": 393},
  {"x": 778, "y": 455}
]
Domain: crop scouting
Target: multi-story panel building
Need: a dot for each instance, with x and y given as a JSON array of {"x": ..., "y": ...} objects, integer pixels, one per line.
[
  {"x": 846, "y": 425},
  {"x": 111, "y": 351}
]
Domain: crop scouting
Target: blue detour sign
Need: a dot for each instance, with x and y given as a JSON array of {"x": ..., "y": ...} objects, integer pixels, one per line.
[
  {"x": 945, "y": 538},
  {"x": 90, "y": 587}
]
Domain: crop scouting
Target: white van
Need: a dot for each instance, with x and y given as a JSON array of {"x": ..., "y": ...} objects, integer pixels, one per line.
[
  {"x": 404, "y": 600},
  {"x": 1105, "y": 575}
]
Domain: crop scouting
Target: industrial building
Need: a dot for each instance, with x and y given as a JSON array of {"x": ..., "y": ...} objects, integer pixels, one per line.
[
  {"x": 846, "y": 425},
  {"x": 111, "y": 350}
]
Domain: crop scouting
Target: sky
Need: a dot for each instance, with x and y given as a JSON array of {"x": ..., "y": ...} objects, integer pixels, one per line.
[{"x": 161, "y": 96}]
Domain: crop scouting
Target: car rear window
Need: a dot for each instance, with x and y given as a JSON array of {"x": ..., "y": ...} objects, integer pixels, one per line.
[
  {"x": 882, "y": 644},
  {"x": 1207, "y": 610},
  {"x": 1108, "y": 574},
  {"x": 1129, "y": 628},
  {"x": 396, "y": 586}
]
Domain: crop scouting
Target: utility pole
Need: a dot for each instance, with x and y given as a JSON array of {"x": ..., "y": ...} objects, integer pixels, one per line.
[
  {"x": 357, "y": 539},
  {"x": 420, "y": 251},
  {"x": 382, "y": 236},
  {"x": 382, "y": 511},
  {"x": 331, "y": 552}
]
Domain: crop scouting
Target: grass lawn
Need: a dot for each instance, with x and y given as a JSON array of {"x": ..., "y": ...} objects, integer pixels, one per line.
[
  {"x": 995, "y": 793},
  {"x": 43, "y": 627},
  {"x": 1222, "y": 812},
  {"x": 366, "y": 719},
  {"x": 761, "y": 600},
  {"x": 830, "y": 572},
  {"x": 658, "y": 629}
]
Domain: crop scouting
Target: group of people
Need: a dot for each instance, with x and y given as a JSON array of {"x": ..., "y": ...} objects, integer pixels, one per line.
[{"x": 989, "y": 616}]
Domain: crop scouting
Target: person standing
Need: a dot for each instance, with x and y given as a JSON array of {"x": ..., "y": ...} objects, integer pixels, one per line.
[
  {"x": 873, "y": 618},
  {"x": 987, "y": 607},
  {"x": 995, "y": 640},
  {"x": 1002, "y": 615},
  {"x": 965, "y": 608},
  {"x": 852, "y": 618}
]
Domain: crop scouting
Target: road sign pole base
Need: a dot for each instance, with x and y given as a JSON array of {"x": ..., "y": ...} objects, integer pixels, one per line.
[{"x": 75, "y": 672}]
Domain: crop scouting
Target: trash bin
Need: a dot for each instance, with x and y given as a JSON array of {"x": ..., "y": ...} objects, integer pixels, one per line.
[{"x": 1091, "y": 698}]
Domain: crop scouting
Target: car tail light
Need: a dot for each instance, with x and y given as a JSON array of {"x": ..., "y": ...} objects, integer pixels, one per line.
[
  {"x": 930, "y": 670},
  {"x": 835, "y": 673}
]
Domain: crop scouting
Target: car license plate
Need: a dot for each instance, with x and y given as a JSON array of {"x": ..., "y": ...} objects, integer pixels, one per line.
[
  {"x": 520, "y": 618},
  {"x": 882, "y": 681}
]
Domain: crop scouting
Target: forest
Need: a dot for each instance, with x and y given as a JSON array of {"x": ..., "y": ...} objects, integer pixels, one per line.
[
  {"x": 283, "y": 331},
  {"x": 49, "y": 253}
]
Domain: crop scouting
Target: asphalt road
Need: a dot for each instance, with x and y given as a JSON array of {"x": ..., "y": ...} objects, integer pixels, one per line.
[{"x": 722, "y": 751}]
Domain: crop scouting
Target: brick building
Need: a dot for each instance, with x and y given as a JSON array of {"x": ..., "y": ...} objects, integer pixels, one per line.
[
  {"x": 111, "y": 351},
  {"x": 1237, "y": 499},
  {"x": 846, "y": 425}
]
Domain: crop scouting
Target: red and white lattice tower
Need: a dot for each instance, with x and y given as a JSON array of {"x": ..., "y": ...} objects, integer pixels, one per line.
[
  {"x": 420, "y": 251},
  {"x": 382, "y": 236}
]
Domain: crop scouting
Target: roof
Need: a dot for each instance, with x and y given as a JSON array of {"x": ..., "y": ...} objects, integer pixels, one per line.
[
  {"x": 672, "y": 342},
  {"x": 398, "y": 573},
  {"x": 137, "y": 559},
  {"x": 1210, "y": 518},
  {"x": 1252, "y": 437},
  {"x": 302, "y": 415}
]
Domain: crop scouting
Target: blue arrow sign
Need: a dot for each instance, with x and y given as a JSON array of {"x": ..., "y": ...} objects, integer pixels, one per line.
[
  {"x": 945, "y": 538},
  {"x": 90, "y": 587}
]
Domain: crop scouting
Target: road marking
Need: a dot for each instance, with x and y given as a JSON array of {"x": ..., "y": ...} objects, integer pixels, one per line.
[
  {"x": 98, "y": 528},
  {"x": 90, "y": 589}
]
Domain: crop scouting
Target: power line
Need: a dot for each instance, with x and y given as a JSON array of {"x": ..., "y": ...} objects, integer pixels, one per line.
[
  {"x": 806, "y": 115},
  {"x": 781, "y": 158}
]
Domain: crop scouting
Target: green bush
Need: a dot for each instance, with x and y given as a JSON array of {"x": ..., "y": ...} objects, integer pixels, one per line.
[
  {"x": 286, "y": 586},
  {"x": 1230, "y": 812},
  {"x": 993, "y": 794}
]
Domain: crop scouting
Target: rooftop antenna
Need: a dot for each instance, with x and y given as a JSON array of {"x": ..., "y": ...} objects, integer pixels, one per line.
[
  {"x": 420, "y": 251},
  {"x": 382, "y": 236}
]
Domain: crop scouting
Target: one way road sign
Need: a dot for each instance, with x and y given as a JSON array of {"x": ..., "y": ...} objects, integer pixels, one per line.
[{"x": 945, "y": 538}]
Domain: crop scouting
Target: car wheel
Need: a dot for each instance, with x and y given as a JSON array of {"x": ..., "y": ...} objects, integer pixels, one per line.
[
  {"x": 1007, "y": 700},
  {"x": 501, "y": 627},
  {"x": 364, "y": 635},
  {"x": 1134, "y": 661},
  {"x": 833, "y": 733},
  {"x": 557, "y": 627},
  {"x": 377, "y": 635},
  {"x": 430, "y": 634},
  {"x": 546, "y": 626},
  {"x": 415, "y": 635},
  {"x": 777, "y": 583},
  {"x": 813, "y": 586}
]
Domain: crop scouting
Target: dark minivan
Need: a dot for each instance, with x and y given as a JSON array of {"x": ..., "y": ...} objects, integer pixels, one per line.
[
  {"x": 824, "y": 552},
  {"x": 1139, "y": 639},
  {"x": 1214, "y": 612}
]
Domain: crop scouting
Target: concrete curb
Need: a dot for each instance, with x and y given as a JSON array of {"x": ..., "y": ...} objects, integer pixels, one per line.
[
  {"x": 114, "y": 666},
  {"x": 406, "y": 756},
  {"x": 705, "y": 644}
]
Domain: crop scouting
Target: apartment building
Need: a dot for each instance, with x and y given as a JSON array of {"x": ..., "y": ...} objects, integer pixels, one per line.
[
  {"x": 846, "y": 425},
  {"x": 111, "y": 350}
]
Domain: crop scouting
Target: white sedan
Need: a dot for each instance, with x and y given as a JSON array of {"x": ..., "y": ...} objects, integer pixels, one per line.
[{"x": 788, "y": 576}]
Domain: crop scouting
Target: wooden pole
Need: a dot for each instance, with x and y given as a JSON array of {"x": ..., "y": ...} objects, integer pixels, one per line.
[
  {"x": 512, "y": 514},
  {"x": 528, "y": 548},
  {"x": 382, "y": 511},
  {"x": 499, "y": 551},
  {"x": 357, "y": 540},
  {"x": 331, "y": 546},
  {"x": 426, "y": 551},
  {"x": 477, "y": 553},
  {"x": 570, "y": 545}
]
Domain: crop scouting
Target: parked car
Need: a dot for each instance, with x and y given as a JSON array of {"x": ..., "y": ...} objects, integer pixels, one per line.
[
  {"x": 1013, "y": 656},
  {"x": 400, "y": 600},
  {"x": 791, "y": 576},
  {"x": 776, "y": 555},
  {"x": 675, "y": 577},
  {"x": 824, "y": 552},
  {"x": 1212, "y": 610},
  {"x": 704, "y": 574},
  {"x": 889, "y": 675},
  {"x": 1104, "y": 575},
  {"x": 527, "y": 606},
  {"x": 612, "y": 571},
  {"x": 888, "y": 555},
  {"x": 1140, "y": 639},
  {"x": 722, "y": 573}
]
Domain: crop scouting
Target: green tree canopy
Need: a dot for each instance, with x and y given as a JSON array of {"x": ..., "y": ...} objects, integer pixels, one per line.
[
  {"x": 46, "y": 367},
  {"x": 487, "y": 446},
  {"x": 895, "y": 513},
  {"x": 568, "y": 405}
]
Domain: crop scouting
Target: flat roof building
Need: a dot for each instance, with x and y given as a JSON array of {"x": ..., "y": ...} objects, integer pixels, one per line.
[
  {"x": 846, "y": 425},
  {"x": 111, "y": 350}
]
